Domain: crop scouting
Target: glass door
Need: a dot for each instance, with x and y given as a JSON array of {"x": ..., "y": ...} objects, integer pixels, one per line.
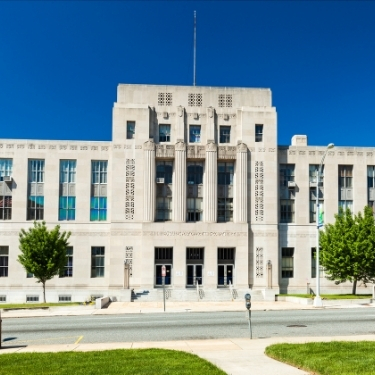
[
  {"x": 194, "y": 274},
  {"x": 158, "y": 276},
  {"x": 225, "y": 274}
]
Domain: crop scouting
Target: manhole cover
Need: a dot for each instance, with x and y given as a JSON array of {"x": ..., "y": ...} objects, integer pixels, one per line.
[{"x": 296, "y": 325}]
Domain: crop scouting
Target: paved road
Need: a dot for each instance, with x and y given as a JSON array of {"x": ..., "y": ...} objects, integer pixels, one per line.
[{"x": 186, "y": 326}]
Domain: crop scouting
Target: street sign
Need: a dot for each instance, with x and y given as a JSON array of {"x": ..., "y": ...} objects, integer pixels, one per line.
[{"x": 163, "y": 271}]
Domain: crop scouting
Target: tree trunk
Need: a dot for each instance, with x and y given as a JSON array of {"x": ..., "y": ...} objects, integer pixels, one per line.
[
  {"x": 354, "y": 290},
  {"x": 44, "y": 291}
]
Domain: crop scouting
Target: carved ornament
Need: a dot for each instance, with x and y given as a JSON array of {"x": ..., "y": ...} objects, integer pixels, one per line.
[{"x": 149, "y": 145}]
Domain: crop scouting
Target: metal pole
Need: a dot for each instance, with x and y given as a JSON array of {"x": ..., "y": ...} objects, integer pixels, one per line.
[
  {"x": 195, "y": 48},
  {"x": 164, "y": 291},
  {"x": 0, "y": 328},
  {"x": 251, "y": 333},
  {"x": 318, "y": 299}
]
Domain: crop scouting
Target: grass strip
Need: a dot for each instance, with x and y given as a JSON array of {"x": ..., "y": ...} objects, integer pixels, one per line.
[
  {"x": 330, "y": 296},
  {"x": 328, "y": 358},
  {"x": 116, "y": 362},
  {"x": 36, "y": 305}
]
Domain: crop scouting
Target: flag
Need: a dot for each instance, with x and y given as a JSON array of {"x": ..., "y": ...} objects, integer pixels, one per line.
[{"x": 320, "y": 214}]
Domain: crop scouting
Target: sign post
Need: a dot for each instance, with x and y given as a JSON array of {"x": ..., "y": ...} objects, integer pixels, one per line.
[
  {"x": 248, "y": 306},
  {"x": 163, "y": 274}
]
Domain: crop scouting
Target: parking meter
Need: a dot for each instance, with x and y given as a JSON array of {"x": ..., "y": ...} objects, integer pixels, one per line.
[
  {"x": 248, "y": 306},
  {"x": 248, "y": 301}
]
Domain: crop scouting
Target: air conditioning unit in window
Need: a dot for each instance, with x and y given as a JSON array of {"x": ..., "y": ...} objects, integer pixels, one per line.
[
  {"x": 160, "y": 180},
  {"x": 312, "y": 184},
  {"x": 7, "y": 178},
  {"x": 291, "y": 185}
]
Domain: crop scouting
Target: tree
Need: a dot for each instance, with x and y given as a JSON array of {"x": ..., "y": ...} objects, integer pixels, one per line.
[
  {"x": 348, "y": 248},
  {"x": 43, "y": 252}
]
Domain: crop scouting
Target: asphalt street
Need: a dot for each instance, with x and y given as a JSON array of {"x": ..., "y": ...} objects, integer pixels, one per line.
[{"x": 186, "y": 326}]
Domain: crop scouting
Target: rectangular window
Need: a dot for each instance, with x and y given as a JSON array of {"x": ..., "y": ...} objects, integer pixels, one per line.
[
  {"x": 32, "y": 298},
  {"x": 258, "y": 133},
  {"x": 194, "y": 209},
  {"x": 195, "y": 134},
  {"x": 371, "y": 176},
  {"x": 4, "y": 261},
  {"x": 35, "y": 208},
  {"x": 163, "y": 209},
  {"x": 286, "y": 174},
  {"x": 5, "y": 207},
  {"x": 36, "y": 170},
  {"x": 194, "y": 191},
  {"x": 195, "y": 253},
  {"x": 68, "y": 269},
  {"x": 226, "y": 253},
  {"x": 313, "y": 265},
  {"x": 163, "y": 254},
  {"x": 346, "y": 204},
  {"x": 98, "y": 200},
  {"x": 67, "y": 199},
  {"x": 345, "y": 176},
  {"x": 65, "y": 298},
  {"x": 194, "y": 173},
  {"x": 164, "y": 133},
  {"x": 163, "y": 257},
  {"x": 164, "y": 171},
  {"x": 286, "y": 211},
  {"x": 287, "y": 268},
  {"x": 224, "y": 134},
  {"x": 97, "y": 261},
  {"x": 225, "y": 193},
  {"x": 3, "y": 298},
  {"x": 130, "y": 129},
  {"x": 225, "y": 173},
  {"x": 313, "y": 171},
  {"x": 6, "y": 168}
]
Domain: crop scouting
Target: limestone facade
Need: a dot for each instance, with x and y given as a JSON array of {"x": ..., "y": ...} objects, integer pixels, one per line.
[{"x": 193, "y": 179}]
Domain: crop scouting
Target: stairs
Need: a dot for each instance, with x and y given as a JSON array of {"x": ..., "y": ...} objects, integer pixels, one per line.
[{"x": 136, "y": 296}]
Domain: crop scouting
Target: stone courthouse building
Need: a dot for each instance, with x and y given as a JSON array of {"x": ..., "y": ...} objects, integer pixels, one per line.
[{"x": 193, "y": 180}]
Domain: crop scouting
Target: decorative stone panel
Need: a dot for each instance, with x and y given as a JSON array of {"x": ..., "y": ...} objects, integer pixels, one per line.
[
  {"x": 129, "y": 258},
  {"x": 129, "y": 189},
  {"x": 259, "y": 191},
  {"x": 226, "y": 152},
  {"x": 164, "y": 151},
  {"x": 259, "y": 262},
  {"x": 195, "y": 100}
]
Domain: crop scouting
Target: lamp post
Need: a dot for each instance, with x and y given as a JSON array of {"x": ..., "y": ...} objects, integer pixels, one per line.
[{"x": 318, "y": 299}]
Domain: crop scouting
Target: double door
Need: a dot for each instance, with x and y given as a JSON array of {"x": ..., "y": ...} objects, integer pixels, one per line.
[
  {"x": 194, "y": 274},
  {"x": 225, "y": 274},
  {"x": 168, "y": 274}
]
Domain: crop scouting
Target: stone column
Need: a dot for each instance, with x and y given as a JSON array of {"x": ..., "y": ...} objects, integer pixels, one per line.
[
  {"x": 210, "y": 184},
  {"x": 179, "y": 183},
  {"x": 240, "y": 197},
  {"x": 149, "y": 181}
]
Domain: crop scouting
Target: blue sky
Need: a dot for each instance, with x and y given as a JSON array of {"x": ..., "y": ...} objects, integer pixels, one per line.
[{"x": 61, "y": 62}]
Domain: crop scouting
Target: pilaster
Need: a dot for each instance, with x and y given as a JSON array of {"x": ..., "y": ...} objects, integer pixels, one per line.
[
  {"x": 240, "y": 207},
  {"x": 210, "y": 184},
  {"x": 179, "y": 183},
  {"x": 149, "y": 181}
]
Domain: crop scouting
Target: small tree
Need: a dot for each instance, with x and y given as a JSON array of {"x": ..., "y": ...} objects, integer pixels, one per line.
[
  {"x": 348, "y": 248},
  {"x": 43, "y": 252}
]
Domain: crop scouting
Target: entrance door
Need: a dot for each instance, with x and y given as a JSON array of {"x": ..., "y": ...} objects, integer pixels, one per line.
[
  {"x": 168, "y": 274},
  {"x": 194, "y": 274},
  {"x": 225, "y": 274}
]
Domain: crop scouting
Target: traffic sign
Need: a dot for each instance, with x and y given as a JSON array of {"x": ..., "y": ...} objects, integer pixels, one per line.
[{"x": 163, "y": 271}]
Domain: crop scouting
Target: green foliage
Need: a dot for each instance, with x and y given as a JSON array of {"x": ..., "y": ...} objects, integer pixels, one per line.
[
  {"x": 131, "y": 361},
  {"x": 43, "y": 251},
  {"x": 348, "y": 248},
  {"x": 328, "y": 358}
]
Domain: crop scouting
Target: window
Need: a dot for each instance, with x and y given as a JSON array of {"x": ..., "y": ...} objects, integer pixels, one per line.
[
  {"x": 371, "y": 176},
  {"x": 346, "y": 204},
  {"x": 258, "y": 133},
  {"x": 226, "y": 254},
  {"x": 313, "y": 264},
  {"x": 3, "y": 298},
  {"x": 164, "y": 133},
  {"x": 35, "y": 202},
  {"x": 163, "y": 257},
  {"x": 194, "y": 191},
  {"x": 194, "y": 209},
  {"x": 130, "y": 129},
  {"x": 65, "y": 298},
  {"x": 194, "y": 253},
  {"x": 4, "y": 254},
  {"x": 286, "y": 174},
  {"x": 286, "y": 211},
  {"x": 163, "y": 254},
  {"x": 97, "y": 261},
  {"x": 32, "y": 298},
  {"x": 29, "y": 275},
  {"x": 224, "y": 134},
  {"x": 225, "y": 194},
  {"x": 98, "y": 202},
  {"x": 194, "y": 173},
  {"x": 6, "y": 166},
  {"x": 287, "y": 269},
  {"x": 164, "y": 192},
  {"x": 5, "y": 207},
  {"x": 195, "y": 134},
  {"x": 68, "y": 269},
  {"x": 67, "y": 199},
  {"x": 313, "y": 171},
  {"x": 346, "y": 187}
]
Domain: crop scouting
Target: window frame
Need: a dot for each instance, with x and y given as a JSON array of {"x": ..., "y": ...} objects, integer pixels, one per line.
[
  {"x": 130, "y": 129},
  {"x": 95, "y": 267},
  {"x": 224, "y": 133},
  {"x": 287, "y": 270},
  {"x": 195, "y": 137},
  {"x": 164, "y": 133},
  {"x": 4, "y": 261},
  {"x": 258, "y": 132}
]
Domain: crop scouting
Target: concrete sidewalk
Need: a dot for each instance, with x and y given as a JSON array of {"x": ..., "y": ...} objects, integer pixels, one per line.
[
  {"x": 234, "y": 356},
  {"x": 171, "y": 307}
]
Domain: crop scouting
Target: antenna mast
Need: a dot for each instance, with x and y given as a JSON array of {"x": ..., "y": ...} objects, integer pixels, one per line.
[{"x": 195, "y": 48}]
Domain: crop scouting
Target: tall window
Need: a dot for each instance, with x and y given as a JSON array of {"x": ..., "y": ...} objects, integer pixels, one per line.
[
  {"x": 286, "y": 211},
  {"x": 68, "y": 269},
  {"x": 4, "y": 253},
  {"x": 35, "y": 203},
  {"x": 6, "y": 189},
  {"x": 98, "y": 204},
  {"x": 195, "y": 134},
  {"x": 224, "y": 134},
  {"x": 258, "y": 133},
  {"x": 164, "y": 190},
  {"x": 163, "y": 257},
  {"x": 313, "y": 172},
  {"x": 287, "y": 193},
  {"x": 286, "y": 174},
  {"x": 287, "y": 267},
  {"x": 346, "y": 187},
  {"x": 194, "y": 191},
  {"x": 130, "y": 129},
  {"x": 164, "y": 133},
  {"x": 97, "y": 261},
  {"x": 225, "y": 191},
  {"x": 371, "y": 186},
  {"x": 313, "y": 264},
  {"x": 67, "y": 199}
]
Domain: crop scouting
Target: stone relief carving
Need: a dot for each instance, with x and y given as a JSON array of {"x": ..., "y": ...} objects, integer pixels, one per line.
[
  {"x": 203, "y": 234},
  {"x": 129, "y": 188},
  {"x": 259, "y": 262},
  {"x": 259, "y": 191},
  {"x": 180, "y": 146},
  {"x": 180, "y": 111},
  {"x": 149, "y": 145},
  {"x": 242, "y": 147},
  {"x": 210, "y": 111},
  {"x": 129, "y": 258},
  {"x": 211, "y": 145}
]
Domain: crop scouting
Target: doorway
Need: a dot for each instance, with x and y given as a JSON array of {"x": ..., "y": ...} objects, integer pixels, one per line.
[{"x": 225, "y": 274}]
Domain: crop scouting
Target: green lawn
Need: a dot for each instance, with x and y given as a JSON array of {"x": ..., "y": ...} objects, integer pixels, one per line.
[
  {"x": 330, "y": 296},
  {"x": 110, "y": 362},
  {"x": 328, "y": 358},
  {"x": 35, "y": 305}
]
